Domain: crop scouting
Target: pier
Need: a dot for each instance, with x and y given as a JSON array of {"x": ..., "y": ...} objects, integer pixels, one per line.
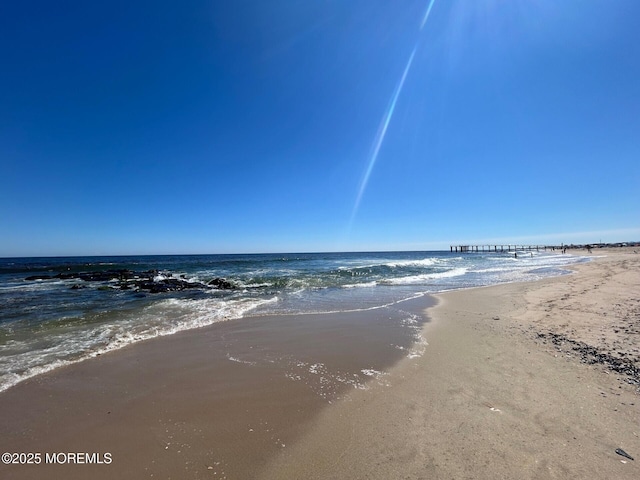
[{"x": 499, "y": 248}]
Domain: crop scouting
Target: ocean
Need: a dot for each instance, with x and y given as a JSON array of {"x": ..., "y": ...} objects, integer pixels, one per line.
[{"x": 57, "y": 311}]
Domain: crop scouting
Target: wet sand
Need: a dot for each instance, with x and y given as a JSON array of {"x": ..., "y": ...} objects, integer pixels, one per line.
[
  {"x": 216, "y": 402},
  {"x": 491, "y": 398}
]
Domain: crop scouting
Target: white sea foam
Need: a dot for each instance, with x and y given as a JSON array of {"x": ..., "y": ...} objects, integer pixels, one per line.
[
  {"x": 44, "y": 353},
  {"x": 361, "y": 285},
  {"x": 238, "y": 360},
  {"x": 324, "y": 382},
  {"x": 418, "y": 348},
  {"x": 416, "y": 279},
  {"x": 426, "y": 262},
  {"x": 255, "y": 285}
]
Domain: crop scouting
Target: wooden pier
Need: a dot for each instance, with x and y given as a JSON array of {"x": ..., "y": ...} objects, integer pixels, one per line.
[{"x": 499, "y": 248}]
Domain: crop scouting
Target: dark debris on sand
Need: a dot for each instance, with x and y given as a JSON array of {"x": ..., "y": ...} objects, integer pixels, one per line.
[{"x": 591, "y": 356}]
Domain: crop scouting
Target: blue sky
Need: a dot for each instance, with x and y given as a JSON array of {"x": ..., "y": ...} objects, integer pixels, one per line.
[{"x": 249, "y": 126}]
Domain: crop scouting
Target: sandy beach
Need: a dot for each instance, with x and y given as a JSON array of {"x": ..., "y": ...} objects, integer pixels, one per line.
[
  {"x": 521, "y": 380},
  {"x": 491, "y": 397},
  {"x": 215, "y": 402}
]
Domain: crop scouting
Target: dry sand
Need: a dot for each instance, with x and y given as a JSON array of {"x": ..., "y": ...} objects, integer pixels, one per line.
[
  {"x": 506, "y": 388},
  {"x": 492, "y": 399}
]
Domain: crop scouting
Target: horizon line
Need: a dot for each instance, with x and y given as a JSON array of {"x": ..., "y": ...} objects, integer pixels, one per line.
[{"x": 319, "y": 252}]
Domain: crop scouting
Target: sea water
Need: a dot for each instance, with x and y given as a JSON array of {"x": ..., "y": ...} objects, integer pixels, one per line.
[{"x": 52, "y": 322}]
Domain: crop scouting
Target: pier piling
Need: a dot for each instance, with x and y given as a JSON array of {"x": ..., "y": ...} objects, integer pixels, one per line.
[{"x": 495, "y": 248}]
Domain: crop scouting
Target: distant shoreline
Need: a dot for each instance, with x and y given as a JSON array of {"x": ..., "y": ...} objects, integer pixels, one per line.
[{"x": 570, "y": 246}]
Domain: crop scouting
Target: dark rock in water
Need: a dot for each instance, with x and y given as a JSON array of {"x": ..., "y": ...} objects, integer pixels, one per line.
[
  {"x": 151, "y": 281},
  {"x": 38, "y": 277},
  {"x": 77, "y": 286},
  {"x": 222, "y": 284},
  {"x": 104, "y": 276},
  {"x": 101, "y": 276}
]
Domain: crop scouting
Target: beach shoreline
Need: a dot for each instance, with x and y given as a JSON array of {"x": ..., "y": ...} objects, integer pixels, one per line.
[
  {"x": 214, "y": 402},
  {"x": 484, "y": 396},
  {"x": 490, "y": 398}
]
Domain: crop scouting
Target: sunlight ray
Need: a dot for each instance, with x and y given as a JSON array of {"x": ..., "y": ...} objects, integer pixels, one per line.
[{"x": 386, "y": 119}]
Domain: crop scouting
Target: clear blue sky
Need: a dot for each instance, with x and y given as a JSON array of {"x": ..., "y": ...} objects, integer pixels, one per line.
[{"x": 249, "y": 126}]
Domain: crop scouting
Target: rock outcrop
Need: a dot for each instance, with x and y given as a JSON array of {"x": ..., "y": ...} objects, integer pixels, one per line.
[{"x": 152, "y": 281}]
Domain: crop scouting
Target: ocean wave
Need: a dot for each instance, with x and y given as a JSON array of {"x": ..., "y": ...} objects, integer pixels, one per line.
[
  {"x": 42, "y": 353},
  {"x": 394, "y": 264},
  {"x": 417, "y": 279},
  {"x": 361, "y": 285}
]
